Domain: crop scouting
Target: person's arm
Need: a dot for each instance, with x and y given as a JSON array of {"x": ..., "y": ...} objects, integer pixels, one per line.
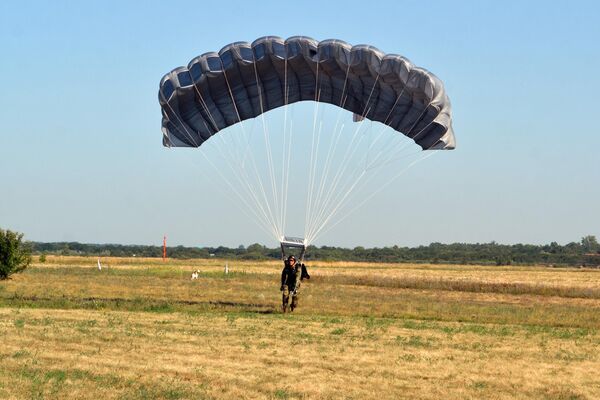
[
  {"x": 283, "y": 273},
  {"x": 298, "y": 276}
]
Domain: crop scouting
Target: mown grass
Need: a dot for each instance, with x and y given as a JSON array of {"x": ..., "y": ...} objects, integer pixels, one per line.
[
  {"x": 475, "y": 286},
  {"x": 165, "y": 289},
  {"x": 138, "y": 330}
]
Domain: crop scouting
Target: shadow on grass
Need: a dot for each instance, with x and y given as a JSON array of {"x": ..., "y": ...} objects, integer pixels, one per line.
[{"x": 134, "y": 304}]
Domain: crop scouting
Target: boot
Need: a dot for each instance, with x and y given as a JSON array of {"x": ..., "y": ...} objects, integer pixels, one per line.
[{"x": 294, "y": 303}]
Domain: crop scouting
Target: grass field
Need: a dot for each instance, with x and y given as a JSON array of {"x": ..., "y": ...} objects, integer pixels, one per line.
[{"x": 141, "y": 329}]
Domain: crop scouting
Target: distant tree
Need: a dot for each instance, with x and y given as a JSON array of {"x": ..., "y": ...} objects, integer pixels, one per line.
[
  {"x": 454, "y": 253},
  {"x": 573, "y": 247},
  {"x": 15, "y": 255},
  {"x": 65, "y": 250},
  {"x": 256, "y": 247},
  {"x": 42, "y": 258},
  {"x": 590, "y": 244}
]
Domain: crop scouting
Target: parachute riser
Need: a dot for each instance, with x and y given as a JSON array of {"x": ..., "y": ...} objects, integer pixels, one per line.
[{"x": 289, "y": 243}]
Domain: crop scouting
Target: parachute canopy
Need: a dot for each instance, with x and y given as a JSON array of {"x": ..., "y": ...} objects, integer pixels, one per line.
[{"x": 244, "y": 80}]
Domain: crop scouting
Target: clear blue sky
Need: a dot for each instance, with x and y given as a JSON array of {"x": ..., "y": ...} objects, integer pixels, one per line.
[{"x": 80, "y": 143}]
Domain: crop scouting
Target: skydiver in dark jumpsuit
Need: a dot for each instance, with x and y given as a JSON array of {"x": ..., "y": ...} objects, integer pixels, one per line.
[{"x": 291, "y": 276}]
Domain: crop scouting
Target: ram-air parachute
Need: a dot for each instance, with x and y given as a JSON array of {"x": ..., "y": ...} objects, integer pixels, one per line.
[{"x": 244, "y": 81}]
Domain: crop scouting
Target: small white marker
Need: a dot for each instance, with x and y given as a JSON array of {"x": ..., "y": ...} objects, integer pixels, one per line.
[
  {"x": 226, "y": 268},
  {"x": 99, "y": 265}
]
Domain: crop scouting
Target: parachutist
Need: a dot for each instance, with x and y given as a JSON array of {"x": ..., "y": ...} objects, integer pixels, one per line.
[
  {"x": 294, "y": 271},
  {"x": 291, "y": 277}
]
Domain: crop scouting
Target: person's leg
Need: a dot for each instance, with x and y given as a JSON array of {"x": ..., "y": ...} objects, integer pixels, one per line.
[
  {"x": 285, "y": 298},
  {"x": 294, "y": 301}
]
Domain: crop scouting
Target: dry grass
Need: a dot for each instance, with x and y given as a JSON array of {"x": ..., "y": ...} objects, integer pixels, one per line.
[{"x": 142, "y": 330}]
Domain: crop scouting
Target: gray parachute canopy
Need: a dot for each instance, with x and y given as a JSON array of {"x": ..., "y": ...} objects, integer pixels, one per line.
[{"x": 244, "y": 80}]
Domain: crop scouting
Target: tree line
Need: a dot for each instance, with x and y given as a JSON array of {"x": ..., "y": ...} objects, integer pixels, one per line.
[{"x": 585, "y": 252}]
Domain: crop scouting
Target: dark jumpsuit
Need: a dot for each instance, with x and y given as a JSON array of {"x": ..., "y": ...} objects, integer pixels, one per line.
[{"x": 290, "y": 283}]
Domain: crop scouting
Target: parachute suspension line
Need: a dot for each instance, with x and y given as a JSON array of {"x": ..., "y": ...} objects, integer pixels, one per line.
[
  {"x": 237, "y": 159},
  {"x": 322, "y": 207},
  {"x": 340, "y": 179},
  {"x": 311, "y": 168},
  {"x": 211, "y": 117},
  {"x": 287, "y": 177},
  {"x": 387, "y": 145},
  {"x": 244, "y": 184},
  {"x": 373, "y": 194},
  {"x": 243, "y": 171},
  {"x": 246, "y": 144},
  {"x": 389, "y": 159},
  {"x": 325, "y": 175},
  {"x": 312, "y": 153},
  {"x": 385, "y": 126},
  {"x": 186, "y": 132},
  {"x": 312, "y": 203},
  {"x": 336, "y": 208},
  {"x": 346, "y": 215},
  {"x": 235, "y": 107},
  {"x": 358, "y": 184},
  {"x": 367, "y": 110},
  {"x": 203, "y": 103},
  {"x": 350, "y": 151},
  {"x": 268, "y": 150},
  {"x": 394, "y": 156},
  {"x": 314, "y": 175},
  {"x": 247, "y": 181},
  {"x": 285, "y": 152},
  {"x": 268, "y": 228},
  {"x": 225, "y": 179},
  {"x": 342, "y": 98},
  {"x": 288, "y": 158},
  {"x": 258, "y": 220},
  {"x": 218, "y": 145},
  {"x": 315, "y": 204},
  {"x": 344, "y": 166},
  {"x": 288, "y": 166},
  {"x": 333, "y": 143}
]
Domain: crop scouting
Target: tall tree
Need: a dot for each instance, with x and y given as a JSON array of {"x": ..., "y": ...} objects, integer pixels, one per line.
[
  {"x": 590, "y": 244},
  {"x": 15, "y": 255}
]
